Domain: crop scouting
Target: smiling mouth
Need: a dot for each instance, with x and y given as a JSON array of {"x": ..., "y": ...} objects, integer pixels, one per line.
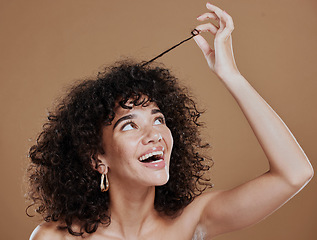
[{"x": 152, "y": 157}]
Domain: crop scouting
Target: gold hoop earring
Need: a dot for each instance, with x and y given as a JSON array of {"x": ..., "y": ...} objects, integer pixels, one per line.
[{"x": 102, "y": 184}]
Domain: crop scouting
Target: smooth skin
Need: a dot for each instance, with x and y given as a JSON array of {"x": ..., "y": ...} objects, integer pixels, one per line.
[{"x": 216, "y": 212}]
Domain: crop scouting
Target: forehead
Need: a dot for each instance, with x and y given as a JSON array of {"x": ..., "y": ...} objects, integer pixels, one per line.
[{"x": 120, "y": 111}]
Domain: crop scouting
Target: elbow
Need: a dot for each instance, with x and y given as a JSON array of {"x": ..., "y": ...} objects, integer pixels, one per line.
[
  {"x": 310, "y": 173},
  {"x": 302, "y": 179}
]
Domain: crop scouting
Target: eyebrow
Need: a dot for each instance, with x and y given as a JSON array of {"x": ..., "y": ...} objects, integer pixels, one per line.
[
  {"x": 132, "y": 116},
  {"x": 156, "y": 110},
  {"x": 126, "y": 117}
]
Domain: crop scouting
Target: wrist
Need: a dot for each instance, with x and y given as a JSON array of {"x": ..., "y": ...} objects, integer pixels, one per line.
[{"x": 230, "y": 77}]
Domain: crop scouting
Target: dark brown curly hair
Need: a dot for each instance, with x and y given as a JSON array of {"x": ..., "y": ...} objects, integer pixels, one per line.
[{"x": 64, "y": 183}]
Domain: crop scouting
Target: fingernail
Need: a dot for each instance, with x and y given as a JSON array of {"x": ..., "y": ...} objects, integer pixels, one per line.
[{"x": 198, "y": 16}]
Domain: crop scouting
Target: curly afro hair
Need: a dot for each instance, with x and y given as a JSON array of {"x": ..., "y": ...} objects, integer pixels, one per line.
[{"x": 64, "y": 183}]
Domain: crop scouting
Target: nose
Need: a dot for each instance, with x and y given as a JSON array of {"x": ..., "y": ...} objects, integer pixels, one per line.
[{"x": 152, "y": 135}]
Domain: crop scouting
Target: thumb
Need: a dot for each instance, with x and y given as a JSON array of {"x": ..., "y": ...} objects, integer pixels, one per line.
[{"x": 203, "y": 45}]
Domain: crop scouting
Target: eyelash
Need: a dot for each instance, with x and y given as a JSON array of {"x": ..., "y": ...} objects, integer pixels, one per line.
[
  {"x": 133, "y": 124},
  {"x": 162, "y": 119},
  {"x": 127, "y": 123}
]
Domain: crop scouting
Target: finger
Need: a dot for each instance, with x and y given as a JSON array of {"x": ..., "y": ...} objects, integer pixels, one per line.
[
  {"x": 229, "y": 21},
  {"x": 229, "y": 26},
  {"x": 203, "y": 45},
  {"x": 207, "y": 27},
  {"x": 214, "y": 9},
  {"x": 219, "y": 13},
  {"x": 206, "y": 16}
]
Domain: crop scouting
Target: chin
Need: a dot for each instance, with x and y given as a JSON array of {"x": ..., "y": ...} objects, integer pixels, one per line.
[
  {"x": 163, "y": 179},
  {"x": 161, "y": 183}
]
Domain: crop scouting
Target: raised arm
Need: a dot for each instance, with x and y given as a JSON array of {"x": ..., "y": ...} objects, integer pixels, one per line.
[{"x": 289, "y": 170}]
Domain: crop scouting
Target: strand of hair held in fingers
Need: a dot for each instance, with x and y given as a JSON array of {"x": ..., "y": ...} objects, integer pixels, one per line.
[{"x": 193, "y": 34}]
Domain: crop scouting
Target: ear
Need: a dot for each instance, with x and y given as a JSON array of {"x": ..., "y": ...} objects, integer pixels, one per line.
[
  {"x": 102, "y": 168},
  {"x": 99, "y": 163}
]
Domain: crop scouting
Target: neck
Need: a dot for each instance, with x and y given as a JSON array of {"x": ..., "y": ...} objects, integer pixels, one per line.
[{"x": 132, "y": 209}]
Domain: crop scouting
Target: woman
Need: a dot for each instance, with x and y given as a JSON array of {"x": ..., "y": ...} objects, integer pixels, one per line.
[{"x": 134, "y": 132}]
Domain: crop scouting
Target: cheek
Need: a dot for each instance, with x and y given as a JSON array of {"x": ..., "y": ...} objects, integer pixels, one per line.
[
  {"x": 169, "y": 138},
  {"x": 121, "y": 151}
]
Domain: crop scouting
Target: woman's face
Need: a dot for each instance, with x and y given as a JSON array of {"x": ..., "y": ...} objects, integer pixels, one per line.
[{"x": 137, "y": 146}]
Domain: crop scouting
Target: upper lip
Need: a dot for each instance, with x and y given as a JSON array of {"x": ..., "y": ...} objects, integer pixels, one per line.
[{"x": 156, "y": 150}]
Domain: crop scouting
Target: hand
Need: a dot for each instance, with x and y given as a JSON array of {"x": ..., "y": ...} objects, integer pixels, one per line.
[{"x": 221, "y": 59}]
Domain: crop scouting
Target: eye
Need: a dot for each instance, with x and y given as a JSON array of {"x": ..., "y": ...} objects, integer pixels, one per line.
[
  {"x": 129, "y": 126},
  {"x": 159, "y": 120}
]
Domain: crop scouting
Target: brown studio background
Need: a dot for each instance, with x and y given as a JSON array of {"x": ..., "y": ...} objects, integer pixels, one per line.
[{"x": 46, "y": 45}]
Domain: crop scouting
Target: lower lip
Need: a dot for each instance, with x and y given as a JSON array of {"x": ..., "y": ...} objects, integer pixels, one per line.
[{"x": 156, "y": 165}]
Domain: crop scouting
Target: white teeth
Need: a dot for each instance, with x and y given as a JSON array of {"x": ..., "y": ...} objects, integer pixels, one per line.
[{"x": 146, "y": 156}]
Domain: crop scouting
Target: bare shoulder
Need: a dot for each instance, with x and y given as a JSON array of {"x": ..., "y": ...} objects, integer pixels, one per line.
[{"x": 47, "y": 231}]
